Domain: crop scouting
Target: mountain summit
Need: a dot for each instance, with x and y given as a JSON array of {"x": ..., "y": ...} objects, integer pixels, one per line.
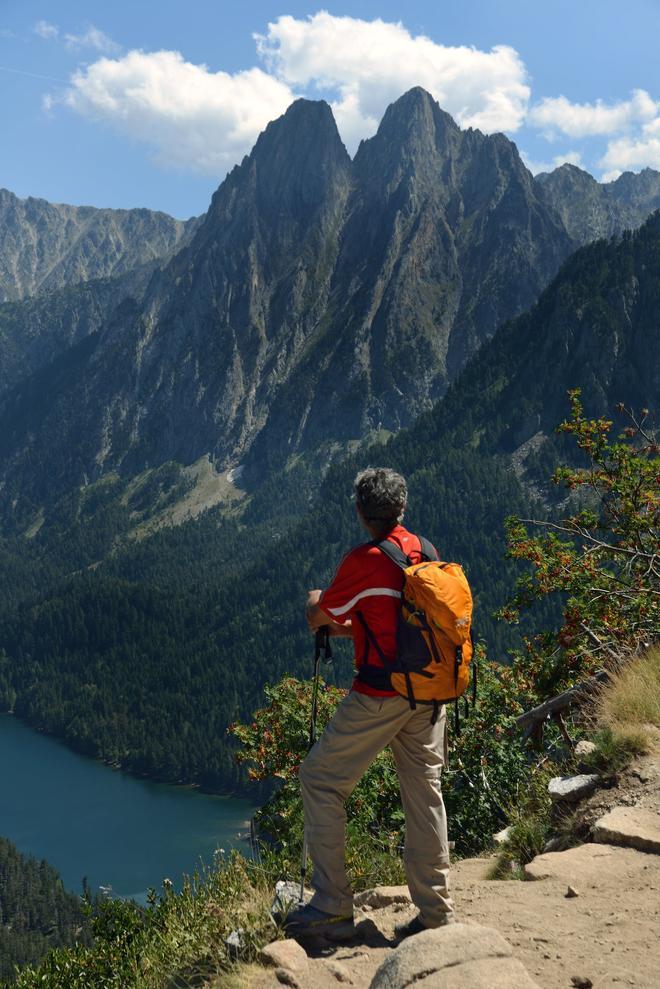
[{"x": 319, "y": 299}]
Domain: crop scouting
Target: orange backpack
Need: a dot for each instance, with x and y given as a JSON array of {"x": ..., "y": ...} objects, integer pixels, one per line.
[{"x": 434, "y": 632}]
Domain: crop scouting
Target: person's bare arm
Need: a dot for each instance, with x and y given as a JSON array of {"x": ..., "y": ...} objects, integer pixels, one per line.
[{"x": 316, "y": 617}]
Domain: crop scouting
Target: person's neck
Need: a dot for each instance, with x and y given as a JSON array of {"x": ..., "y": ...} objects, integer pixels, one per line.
[{"x": 377, "y": 534}]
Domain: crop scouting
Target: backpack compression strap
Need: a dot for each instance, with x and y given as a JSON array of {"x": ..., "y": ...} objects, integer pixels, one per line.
[{"x": 397, "y": 555}]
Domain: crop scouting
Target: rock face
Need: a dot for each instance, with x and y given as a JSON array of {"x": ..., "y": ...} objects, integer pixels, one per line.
[
  {"x": 45, "y": 246},
  {"x": 35, "y": 332},
  {"x": 633, "y": 827},
  {"x": 461, "y": 956},
  {"x": 591, "y": 209},
  {"x": 319, "y": 299},
  {"x": 442, "y": 238}
]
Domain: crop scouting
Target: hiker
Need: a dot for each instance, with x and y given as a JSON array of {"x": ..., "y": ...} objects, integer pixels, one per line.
[{"x": 363, "y": 601}]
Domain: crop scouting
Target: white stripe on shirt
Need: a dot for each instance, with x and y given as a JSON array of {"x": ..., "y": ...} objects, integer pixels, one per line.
[{"x": 370, "y": 592}]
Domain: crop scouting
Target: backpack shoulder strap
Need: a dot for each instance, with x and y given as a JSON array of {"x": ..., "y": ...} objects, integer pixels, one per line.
[
  {"x": 428, "y": 549},
  {"x": 395, "y": 554}
]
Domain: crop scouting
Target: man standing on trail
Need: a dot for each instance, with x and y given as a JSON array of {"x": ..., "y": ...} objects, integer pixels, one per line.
[{"x": 363, "y": 601}]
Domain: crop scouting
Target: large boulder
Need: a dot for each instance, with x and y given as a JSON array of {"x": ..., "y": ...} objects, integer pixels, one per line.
[{"x": 459, "y": 956}]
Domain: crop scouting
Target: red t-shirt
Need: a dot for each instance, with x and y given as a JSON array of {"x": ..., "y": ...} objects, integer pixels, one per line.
[{"x": 368, "y": 581}]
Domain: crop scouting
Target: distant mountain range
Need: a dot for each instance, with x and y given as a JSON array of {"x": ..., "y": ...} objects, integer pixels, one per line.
[
  {"x": 45, "y": 246},
  {"x": 319, "y": 299},
  {"x": 590, "y": 209}
]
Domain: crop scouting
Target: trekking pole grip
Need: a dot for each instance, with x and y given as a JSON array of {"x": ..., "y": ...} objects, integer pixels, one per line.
[{"x": 323, "y": 642}]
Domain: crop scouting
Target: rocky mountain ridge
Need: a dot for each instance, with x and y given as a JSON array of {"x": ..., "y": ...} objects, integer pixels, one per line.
[
  {"x": 47, "y": 246},
  {"x": 590, "y": 209},
  {"x": 320, "y": 298}
]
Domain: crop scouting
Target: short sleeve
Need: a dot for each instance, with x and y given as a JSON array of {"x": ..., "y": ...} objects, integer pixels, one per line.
[{"x": 339, "y": 598}]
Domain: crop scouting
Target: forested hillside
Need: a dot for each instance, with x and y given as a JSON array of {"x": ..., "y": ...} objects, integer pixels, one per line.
[
  {"x": 36, "y": 912},
  {"x": 143, "y": 659}
]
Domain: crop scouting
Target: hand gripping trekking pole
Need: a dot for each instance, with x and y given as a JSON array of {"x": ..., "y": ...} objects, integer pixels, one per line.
[{"x": 321, "y": 646}]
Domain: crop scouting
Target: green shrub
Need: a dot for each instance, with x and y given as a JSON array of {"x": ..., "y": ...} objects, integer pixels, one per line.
[{"x": 177, "y": 942}]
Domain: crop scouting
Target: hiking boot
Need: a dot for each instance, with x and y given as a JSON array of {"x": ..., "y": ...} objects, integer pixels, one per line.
[
  {"x": 308, "y": 920},
  {"x": 415, "y": 926}
]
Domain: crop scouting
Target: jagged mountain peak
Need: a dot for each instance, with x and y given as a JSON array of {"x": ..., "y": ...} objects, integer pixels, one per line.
[
  {"x": 566, "y": 176},
  {"x": 46, "y": 246},
  {"x": 292, "y": 164},
  {"x": 634, "y": 187},
  {"x": 321, "y": 298},
  {"x": 415, "y": 121},
  {"x": 306, "y": 125},
  {"x": 417, "y": 109},
  {"x": 416, "y": 142}
]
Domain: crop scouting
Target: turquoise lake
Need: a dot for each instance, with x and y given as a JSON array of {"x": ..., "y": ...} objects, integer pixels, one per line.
[{"x": 89, "y": 820}]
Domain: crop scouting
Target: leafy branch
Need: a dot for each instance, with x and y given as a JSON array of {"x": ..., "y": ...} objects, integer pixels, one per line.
[{"x": 604, "y": 559}]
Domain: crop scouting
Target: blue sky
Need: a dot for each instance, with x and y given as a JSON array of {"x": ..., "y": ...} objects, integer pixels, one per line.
[{"x": 149, "y": 103}]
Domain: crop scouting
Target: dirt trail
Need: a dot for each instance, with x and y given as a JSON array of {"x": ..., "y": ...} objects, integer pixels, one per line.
[{"x": 609, "y": 933}]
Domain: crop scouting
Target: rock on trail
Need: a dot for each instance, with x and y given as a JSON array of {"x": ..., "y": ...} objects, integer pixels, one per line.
[
  {"x": 633, "y": 827},
  {"x": 461, "y": 956}
]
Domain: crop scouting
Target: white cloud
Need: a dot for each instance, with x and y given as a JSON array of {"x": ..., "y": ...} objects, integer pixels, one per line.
[
  {"x": 193, "y": 117},
  {"x": 368, "y": 64},
  {"x": 190, "y": 117},
  {"x": 633, "y": 152},
  {"x": 94, "y": 38},
  {"x": 558, "y": 115},
  {"x": 46, "y": 30}
]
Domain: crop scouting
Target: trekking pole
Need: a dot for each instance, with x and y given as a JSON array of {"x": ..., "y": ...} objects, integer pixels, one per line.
[{"x": 321, "y": 646}]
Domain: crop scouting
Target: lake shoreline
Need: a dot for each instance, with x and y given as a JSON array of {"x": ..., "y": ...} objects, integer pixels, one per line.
[
  {"x": 88, "y": 818},
  {"x": 244, "y": 793}
]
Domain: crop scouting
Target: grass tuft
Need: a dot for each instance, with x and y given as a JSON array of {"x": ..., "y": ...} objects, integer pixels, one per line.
[
  {"x": 626, "y": 712},
  {"x": 617, "y": 746},
  {"x": 528, "y": 832},
  {"x": 632, "y": 697}
]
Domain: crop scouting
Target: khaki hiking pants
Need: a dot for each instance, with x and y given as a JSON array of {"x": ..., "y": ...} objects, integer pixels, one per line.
[{"x": 361, "y": 728}]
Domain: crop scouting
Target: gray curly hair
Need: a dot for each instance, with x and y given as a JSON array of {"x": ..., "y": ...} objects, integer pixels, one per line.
[{"x": 381, "y": 495}]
